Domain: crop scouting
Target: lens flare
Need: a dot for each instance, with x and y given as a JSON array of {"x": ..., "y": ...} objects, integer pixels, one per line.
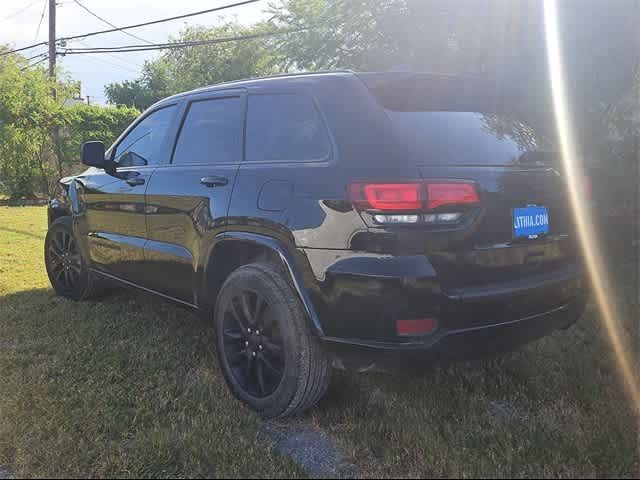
[{"x": 569, "y": 149}]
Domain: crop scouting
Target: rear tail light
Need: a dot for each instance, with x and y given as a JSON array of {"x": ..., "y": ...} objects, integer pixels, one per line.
[
  {"x": 430, "y": 202},
  {"x": 388, "y": 196},
  {"x": 440, "y": 194}
]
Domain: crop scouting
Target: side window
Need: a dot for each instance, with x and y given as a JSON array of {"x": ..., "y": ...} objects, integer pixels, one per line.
[
  {"x": 286, "y": 128},
  {"x": 211, "y": 133},
  {"x": 142, "y": 145}
]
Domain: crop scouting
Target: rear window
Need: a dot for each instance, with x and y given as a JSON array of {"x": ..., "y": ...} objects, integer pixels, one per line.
[
  {"x": 463, "y": 138},
  {"x": 441, "y": 119},
  {"x": 285, "y": 128}
]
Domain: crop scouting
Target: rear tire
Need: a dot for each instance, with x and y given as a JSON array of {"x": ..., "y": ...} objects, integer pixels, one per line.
[
  {"x": 67, "y": 268},
  {"x": 269, "y": 357}
]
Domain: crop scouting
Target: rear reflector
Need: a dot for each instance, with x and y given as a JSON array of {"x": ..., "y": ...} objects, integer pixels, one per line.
[
  {"x": 458, "y": 193},
  {"x": 412, "y": 328}
]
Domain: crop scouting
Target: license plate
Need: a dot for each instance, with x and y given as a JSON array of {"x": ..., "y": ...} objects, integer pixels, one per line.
[{"x": 530, "y": 222}]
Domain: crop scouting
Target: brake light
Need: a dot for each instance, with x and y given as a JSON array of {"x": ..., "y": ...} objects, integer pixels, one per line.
[
  {"x": 458, "y": 193},
  {"x": 389, "y": 196},
  {"x": 412, "y": 196}
]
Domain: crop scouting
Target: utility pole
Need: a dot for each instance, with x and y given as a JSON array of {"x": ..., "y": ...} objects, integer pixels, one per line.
[{"x": 52, "y": 41}]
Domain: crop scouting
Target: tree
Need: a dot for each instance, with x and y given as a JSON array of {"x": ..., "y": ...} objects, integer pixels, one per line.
[
  {"x": 27, "y": 113},
  {"x": 182, "y": 69},
  {"x": 130, "y": 93},
  {"x": 40, "y": 138}
]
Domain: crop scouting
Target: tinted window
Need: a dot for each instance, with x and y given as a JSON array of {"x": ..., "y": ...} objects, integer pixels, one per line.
[
  {"x": 142, "y": 145},
  {"x": 212, "y": 132},
  {"x": 463, "y": 138},
  {"x": 285, "y": 127}
]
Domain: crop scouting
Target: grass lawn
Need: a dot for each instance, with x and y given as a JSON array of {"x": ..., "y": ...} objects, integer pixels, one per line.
[{"x": 130, "y": 387}]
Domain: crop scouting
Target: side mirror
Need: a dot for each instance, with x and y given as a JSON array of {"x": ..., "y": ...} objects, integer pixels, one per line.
[{"x": 93, "y": 155}]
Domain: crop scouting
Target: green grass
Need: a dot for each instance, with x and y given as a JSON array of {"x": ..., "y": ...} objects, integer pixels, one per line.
[{"x": 130, "y": 387}]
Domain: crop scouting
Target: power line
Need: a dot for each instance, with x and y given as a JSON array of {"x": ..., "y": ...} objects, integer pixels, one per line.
[
  {"x": 77, "y": 2},
  {"x": 44, "y": 59},
  {"x": 36, "y": 56},
  {"x": 18, "y": 12},
  {"x": 163, "y": 20},
  {"x": 115, "y": 57},
  {"x": 175, "y": 45},
  {"x": 2, "y": 54},
  {"x": 44, "y": 9},
  {"x": 91, "y": 34}
]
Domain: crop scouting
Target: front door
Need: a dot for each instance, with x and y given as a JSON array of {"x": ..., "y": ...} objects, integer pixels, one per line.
[{"x": 113, "y": 204}]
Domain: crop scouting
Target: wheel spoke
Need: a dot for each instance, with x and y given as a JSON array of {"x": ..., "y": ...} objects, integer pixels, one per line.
[
  {"x": 56, "y": 262},
  {"x": 59, "y": 274},
  {"x": 237, "y": 357},
  {"x": 271, "y": 367},
  {"x": 249, "y": 371},
  {"x": 245, "y": 309},
  {"x": 231, "y": 337},
  {"x": 67, "y": 282},
  {"x": 54, "y": 250},
  {"x": 237, "y": 317},
  {"x": 272, "y": 347},
  {"x": 260, "y": 374},
  {"x": 261, "y": 307},
  {"x": 57, "y": 241}
]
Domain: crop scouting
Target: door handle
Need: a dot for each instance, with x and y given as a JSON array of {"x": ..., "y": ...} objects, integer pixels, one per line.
[
  {"x": 214, "y": 181},
  {"x": 134, "y": 182}
]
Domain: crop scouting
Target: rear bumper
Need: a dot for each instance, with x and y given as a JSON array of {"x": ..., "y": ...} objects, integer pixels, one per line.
[
  {"x": 454, "y": 345},
  {"x": 359, "y": 299}
]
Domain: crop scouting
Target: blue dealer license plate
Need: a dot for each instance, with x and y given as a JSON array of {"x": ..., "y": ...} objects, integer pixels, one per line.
[{"x": 530, "y": 222}]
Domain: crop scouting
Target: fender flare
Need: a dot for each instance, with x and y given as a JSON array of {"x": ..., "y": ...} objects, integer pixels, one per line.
[{"x": 288, "y": 261}]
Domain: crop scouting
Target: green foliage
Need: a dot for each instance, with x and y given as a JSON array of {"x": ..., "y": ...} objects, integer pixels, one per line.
[
  {"x": 27, "y": 112},
  {"x": 184, "y": 69},
  {"x": 132, "y": 93},
  {"x": 81, "y": 123},
  {"x": 40, "y": 138}
]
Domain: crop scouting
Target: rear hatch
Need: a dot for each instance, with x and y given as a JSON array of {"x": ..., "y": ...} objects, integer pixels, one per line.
[{"x": 459, "y": 130}]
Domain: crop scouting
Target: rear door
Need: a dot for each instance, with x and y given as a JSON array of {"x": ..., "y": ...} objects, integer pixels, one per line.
[{"x": 188, "y": 198}]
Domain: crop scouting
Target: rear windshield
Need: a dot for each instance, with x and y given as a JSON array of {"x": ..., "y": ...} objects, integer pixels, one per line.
[
  {"x": 448, "y": 120},
  {"x": 464, "y": 138}
]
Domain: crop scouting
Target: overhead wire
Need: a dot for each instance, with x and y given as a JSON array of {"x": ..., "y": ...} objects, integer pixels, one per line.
[
  {"x": 107, "y": 22},
  {"x": 154, "y": 22}
]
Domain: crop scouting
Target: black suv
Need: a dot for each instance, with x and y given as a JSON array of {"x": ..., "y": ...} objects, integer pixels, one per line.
[{"x": 325, "y": 220}]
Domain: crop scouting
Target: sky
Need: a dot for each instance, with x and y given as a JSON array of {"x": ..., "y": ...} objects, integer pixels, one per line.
[{"x": 20, "y": 29}]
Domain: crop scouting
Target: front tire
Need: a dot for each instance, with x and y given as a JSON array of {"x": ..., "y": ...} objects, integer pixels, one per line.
[
  {"x": 268, "y": 354},
  {"x": 66, "y": 266}
]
